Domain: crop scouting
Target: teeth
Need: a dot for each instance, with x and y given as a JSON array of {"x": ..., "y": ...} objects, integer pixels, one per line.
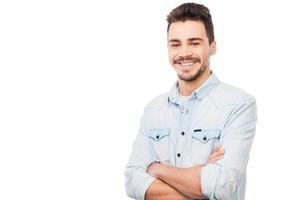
[{"x": 186, "y": 64}]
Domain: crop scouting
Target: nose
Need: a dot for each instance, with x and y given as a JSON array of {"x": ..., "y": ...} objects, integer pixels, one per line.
[{"x": 185, "y": 50}]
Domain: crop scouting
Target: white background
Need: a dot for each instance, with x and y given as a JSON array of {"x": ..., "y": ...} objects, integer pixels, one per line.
[{"x": 75, "y": 76}]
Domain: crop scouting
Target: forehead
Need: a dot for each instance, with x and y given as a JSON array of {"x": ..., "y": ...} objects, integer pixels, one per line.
[{"x": 188, "y": 29}]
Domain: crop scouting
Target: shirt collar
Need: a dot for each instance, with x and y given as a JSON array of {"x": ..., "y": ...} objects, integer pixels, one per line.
[{"x": 202, "y": 91}]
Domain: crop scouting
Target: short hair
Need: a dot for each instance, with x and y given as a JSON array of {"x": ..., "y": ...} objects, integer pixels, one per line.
[{"x": 195, "y": 12}]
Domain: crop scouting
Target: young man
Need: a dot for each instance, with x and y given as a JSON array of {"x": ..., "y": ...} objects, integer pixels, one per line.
[{"x": 193, "y": 141}]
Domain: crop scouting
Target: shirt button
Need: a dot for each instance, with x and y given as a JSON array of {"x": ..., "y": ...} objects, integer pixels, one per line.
[
  {"x": 182, "y": 133},
  {"x": 204, "y": 138},
  {"x": 157, "y": 136},
  {"x": 178, "y": 155}
]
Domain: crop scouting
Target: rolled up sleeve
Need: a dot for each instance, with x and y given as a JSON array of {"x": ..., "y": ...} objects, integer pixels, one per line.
[
  {"x": 220, "y": 180},
  {"x": 137, "y": 180}
]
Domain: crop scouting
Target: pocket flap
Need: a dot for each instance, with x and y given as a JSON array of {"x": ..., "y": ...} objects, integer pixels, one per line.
[
  {"x": 204, "y": 135},
  {"x": 157, "y": 134}
]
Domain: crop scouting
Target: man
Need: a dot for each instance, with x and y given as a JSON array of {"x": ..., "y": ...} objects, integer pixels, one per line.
[{"x": 193, "y": 141}]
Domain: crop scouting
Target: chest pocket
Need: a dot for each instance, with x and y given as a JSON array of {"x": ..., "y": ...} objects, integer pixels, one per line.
[
  {"x": 203, "y": 144},
  {"x": 160, "y": 141}
]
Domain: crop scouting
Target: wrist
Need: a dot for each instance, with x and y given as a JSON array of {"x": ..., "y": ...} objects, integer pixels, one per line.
[{"x": 161, "y": 168}]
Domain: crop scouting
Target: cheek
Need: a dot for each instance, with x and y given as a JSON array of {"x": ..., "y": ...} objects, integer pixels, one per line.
[
  {"x": 171, "y": 56},
  {"x": 201, "y": 51},
  {"x": 204, "y": 53}
]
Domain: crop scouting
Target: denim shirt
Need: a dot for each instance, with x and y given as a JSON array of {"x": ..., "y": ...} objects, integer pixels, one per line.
[{"x": 184, "y": 135}]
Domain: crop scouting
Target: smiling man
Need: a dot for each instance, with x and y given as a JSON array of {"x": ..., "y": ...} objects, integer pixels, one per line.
[{"x": 194, "y": 140}]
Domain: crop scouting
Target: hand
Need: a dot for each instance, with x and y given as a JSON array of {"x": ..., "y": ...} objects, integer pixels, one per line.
[
  {"x": 153, "y": 169},
  {"x": 217, "y": 155}
]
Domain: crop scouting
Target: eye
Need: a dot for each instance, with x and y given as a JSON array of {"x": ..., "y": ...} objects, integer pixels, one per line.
[
  {"x": 195, "y": 43},
  {"x": 175, "y": 45}
]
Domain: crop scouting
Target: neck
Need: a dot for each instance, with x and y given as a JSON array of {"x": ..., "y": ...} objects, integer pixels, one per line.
[{"x": 186, "y": 88}]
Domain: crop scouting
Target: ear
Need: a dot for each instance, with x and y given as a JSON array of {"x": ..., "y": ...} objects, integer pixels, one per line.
[{"x": 213, "y": 48}]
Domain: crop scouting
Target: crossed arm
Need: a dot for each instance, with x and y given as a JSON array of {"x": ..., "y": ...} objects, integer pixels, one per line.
[
  {"x": 220, "y": 180},
  {"x": 160, "y": 190},
  {"x": 177, "y": 183}
]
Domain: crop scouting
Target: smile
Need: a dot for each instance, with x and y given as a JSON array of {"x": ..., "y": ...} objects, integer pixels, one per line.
[{"x": 187, "y": 63}]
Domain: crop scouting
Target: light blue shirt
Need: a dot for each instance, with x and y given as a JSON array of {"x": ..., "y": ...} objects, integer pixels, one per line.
[{"x": 184, "y": 135}]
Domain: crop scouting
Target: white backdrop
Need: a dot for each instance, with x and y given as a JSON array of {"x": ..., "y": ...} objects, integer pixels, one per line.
[{"x": 75, "y": 76}]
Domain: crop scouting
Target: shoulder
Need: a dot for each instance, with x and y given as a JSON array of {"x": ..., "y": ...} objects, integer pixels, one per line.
[
  {"x": 228, "y": 95},
  {"x": 158, "y": 102}
]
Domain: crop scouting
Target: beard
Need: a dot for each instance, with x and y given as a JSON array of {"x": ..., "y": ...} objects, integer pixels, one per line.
[{"x": 196, "y": 75}]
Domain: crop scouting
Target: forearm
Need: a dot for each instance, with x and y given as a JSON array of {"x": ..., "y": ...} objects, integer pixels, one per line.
[
  {"x": 185, "y": 180},
  {"x": 159, "y": 190}
]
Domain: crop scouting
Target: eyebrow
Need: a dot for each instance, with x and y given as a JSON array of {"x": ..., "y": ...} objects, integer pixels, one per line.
[
  {"x": 174, "y": 40},
  {"x": 190, "y": 39}
]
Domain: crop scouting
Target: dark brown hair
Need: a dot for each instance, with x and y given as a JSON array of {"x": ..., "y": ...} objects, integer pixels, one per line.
[{"x": 193, "y": 11}]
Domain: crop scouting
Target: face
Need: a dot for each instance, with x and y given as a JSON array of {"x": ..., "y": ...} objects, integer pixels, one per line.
[{"x": 189, "y": 49}]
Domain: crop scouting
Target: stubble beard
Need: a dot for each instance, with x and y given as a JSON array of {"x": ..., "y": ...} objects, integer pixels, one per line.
[{"x": 197, "y": 75}]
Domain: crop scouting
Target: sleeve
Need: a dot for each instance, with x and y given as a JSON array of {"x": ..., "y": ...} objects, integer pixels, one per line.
[
  {"x": 219, "y": 180},
  {"x": 137, "y": 180}
]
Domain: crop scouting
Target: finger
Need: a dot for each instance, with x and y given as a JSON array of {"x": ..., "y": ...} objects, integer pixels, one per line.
[
  {"x": 215, "y": 159},
  {"x": 218, "y": 148},
  {"x": 215, "y": 155},
  {"x": 218, "y": 153},
  {"x": 218, "y": 158},
  {"x": 211, "y": 159}
]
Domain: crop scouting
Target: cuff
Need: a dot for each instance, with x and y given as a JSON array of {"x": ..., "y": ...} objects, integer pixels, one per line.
[
  {"x": 144, "y": 187},
  {"x": 209, "y": 174}
]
